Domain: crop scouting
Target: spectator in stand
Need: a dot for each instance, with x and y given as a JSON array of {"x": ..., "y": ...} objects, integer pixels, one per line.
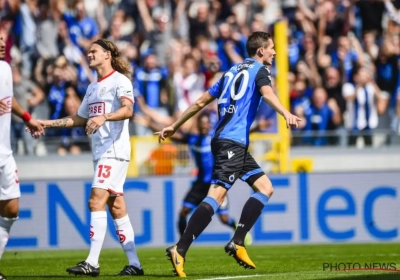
[
  {"x": 105, "y": 13},
  {"x": 364, "y": 103},
  {"x": 27, "y": 43},
  {"x": 28, "y": 96},
  {"x": 73, "y": 140},
  {"x": 231, "y": 46},
  {"x": 196, "y": 41},
  {"x": 200, "y": 22},
  {"x": 60, "y": 86},
  {"x": 150, "y": 85},
  {"x": 188, "y": 84},
  {"x": 318, "y": 118},
  {"x": 47, "y": 32},
  {"x": 82, "y": 29},
  {"x": 349, "y": 54}
]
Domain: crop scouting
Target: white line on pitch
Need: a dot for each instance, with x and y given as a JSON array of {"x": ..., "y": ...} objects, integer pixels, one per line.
[{"x": 233, "y": 277}]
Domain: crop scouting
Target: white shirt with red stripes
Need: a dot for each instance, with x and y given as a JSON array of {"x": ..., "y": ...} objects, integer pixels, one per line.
[
  {"x": 6, "y": 94},
  {"x": 103, "y": 97}
]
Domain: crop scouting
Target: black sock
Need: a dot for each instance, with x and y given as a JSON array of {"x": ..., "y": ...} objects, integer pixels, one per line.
[
  {"x": 197, "y": 223},
  {"x": 231, "y": 223},
  {"x": 182, "y": 224},
  {"x": 250, "y": 213}
]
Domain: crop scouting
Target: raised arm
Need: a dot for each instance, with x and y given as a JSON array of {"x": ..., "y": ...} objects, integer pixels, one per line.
[
  {"x": 193, "y": 109},
  {"x": 393, "y": 13}
]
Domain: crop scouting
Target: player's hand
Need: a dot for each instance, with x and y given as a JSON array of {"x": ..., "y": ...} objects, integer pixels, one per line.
[
  {"x": 94, "y": 124},
  {"x": 291, "y": 120},
  {"x": 35, "y": 128},
  {"x": 141, "y": 120},
  {"x": 333, "y": 105},
  {"x": 165, "y": 133},
  {"x": 3, "y": 108}
]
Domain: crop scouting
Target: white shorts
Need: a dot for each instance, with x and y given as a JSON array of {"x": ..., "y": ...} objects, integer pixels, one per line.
[
  {"x": 110, "y": 174},
  {"x": 9, "y": 182}
]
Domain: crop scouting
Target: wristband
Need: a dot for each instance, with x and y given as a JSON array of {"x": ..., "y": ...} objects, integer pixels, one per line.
[{"x": 26, "y": 117}]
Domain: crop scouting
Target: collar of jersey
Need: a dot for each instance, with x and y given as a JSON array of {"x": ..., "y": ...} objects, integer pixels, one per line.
[{"x": 105, "y": 77}]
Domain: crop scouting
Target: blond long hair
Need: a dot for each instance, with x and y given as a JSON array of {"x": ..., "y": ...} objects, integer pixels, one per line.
[{"x": 117, "y": 62}]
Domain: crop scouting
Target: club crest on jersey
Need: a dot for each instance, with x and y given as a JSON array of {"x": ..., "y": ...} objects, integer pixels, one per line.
[{"x": 102, "y": 91}]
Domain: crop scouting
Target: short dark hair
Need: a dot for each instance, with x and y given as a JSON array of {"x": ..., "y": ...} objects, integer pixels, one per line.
[
  {"x": 204, "y": 115},
  {"x": 257, "y": 40}
]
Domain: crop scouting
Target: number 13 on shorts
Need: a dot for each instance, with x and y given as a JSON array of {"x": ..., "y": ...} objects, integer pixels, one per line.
[
  {"x": 109, "y": 174},
  {"x": 104, "y": 171}
]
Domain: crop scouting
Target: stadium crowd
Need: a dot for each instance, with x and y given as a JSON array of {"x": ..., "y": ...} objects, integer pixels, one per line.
[{"x": 344, "y": 59}]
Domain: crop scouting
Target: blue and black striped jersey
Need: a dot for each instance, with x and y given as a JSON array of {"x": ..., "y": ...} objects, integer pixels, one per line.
[
  {"x": 200, "y": 147},
  {"x": 238, "y": 93}
]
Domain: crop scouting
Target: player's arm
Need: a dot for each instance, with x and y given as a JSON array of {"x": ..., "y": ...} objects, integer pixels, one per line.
[
  {"x": 193, "y": 109},
  {"x": 33, "y": 125},
  {"x": 67, "y": 122},
  {"x": 125, "y": 112},
  {"x": 77, "y": 120},
  {"x": 263, "y": 84},
  {"x": 271, "y": 98}
]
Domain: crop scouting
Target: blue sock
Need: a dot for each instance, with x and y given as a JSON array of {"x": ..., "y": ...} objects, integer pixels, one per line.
[
  {"x": 232, "y": 223},
  {"x": 213, "y": 203},
  {"x": 261, "y": 197}
]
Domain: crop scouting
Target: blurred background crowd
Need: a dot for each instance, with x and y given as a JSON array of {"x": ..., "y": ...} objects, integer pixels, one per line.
[{"x": 344, "y": 61}]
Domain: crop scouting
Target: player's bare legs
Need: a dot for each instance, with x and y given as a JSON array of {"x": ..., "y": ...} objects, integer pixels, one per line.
[
  {"x": 98, "y": 223},
  {"x": 250, "y": 213},
  {"x": 8, "y": 215},
  {"x": 98, "y": 228},
  {"x": 123, "y": 226},
  {"x": 9, "y": 201}
]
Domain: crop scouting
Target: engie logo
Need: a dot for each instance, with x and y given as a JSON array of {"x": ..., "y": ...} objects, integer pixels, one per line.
[
  {"x": 316, "y": 208},
  {"x": 97, "y": 109}
]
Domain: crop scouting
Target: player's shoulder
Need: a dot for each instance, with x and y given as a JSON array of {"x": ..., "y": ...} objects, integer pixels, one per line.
[
  {"x": 4, "y": 66},
  {"x": 121, "y": 78},
  {"x": 263, "y": 70},
  {"x": 90, "y": 86}
]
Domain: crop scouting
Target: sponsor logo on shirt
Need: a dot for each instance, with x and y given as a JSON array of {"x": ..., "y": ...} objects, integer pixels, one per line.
[{"x": 97, "y": 109}]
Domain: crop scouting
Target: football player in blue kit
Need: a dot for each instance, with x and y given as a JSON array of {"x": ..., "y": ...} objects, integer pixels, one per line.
[
  {"x": 199, "y": 142},
  {"x": 239, "y": 92}
]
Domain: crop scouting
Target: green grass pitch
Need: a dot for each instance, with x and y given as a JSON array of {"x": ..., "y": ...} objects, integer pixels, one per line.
[{"x": 273, "y": 262}]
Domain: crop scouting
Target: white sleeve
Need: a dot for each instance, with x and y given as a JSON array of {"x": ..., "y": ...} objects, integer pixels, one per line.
[
  {"x": 125, "y": 89},
  {"x": 348, "y": 89},
  {"x": 83, "y": 110}
]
